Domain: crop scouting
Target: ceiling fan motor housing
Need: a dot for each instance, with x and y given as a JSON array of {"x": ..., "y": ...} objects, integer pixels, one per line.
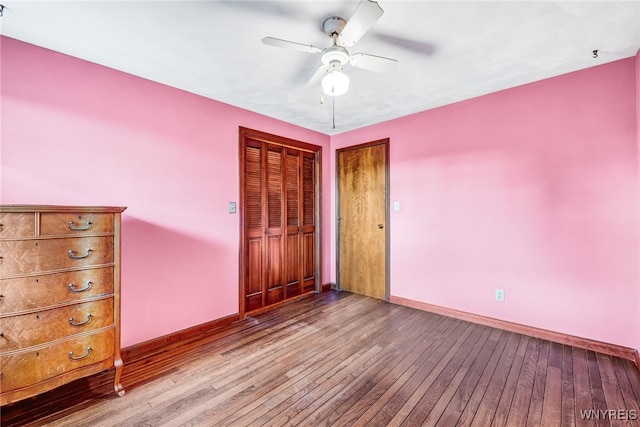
[{"x": 333, "y": 25}]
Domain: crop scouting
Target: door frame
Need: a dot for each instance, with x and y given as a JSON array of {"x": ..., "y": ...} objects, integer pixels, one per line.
[
  {"x": 247, "y": 133},
  {"x": 385, "y": 142}
]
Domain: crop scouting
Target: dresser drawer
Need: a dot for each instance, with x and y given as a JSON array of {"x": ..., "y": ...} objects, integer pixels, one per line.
[
  {"x": 31, "y": 256},
  {"x": 23, "y": 369},
  {"x": 47, "y": 290},
  {"x": 28, "y": 330},
  {"x": 17, "y": 225},
  {"x": 53, "y": 224}
]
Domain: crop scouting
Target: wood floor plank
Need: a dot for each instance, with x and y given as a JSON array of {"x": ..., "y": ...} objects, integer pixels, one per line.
[
  {"x": 254, "y": 388},
  {"x": 452, "y": 400},
  {"x": 338, "y": 359},
  {"x": 473, "y": 404},
  {"x": 372, "y": 391},
  {"x": 286, "y": 397},
  {"x": 241, "y": 412},
  {"x": 633, "y": 375},
  {"x": 597, "y": 393},
  {"x": 510, "y": 386},
  {"x": 612, "y": 391},
  {"x": 568, "y": 389},
  {"x": 229, "y": 377},
  {"x": 235, "y": 379},
  {"x": 583, "y": 398},
  {"x": 288, "y": 378},
  {"x": 289, "y": 392},
  {"x": 354, "y": 395},
  {"x": 443, "y": 369},
  {"x": 492, "y": 395},
  {"x": 534, "y": 416},
  {"x": 302, "y": 407},
  {"x": 630, "y": 400},
  {"x": 552, "y": 399},
  {"x": 318, "y": 398},
  {"x": 417, "y": 381},
  {"x": 353, "y": 389},
  {"x": 383, "y": 392},
  {"x": 435, "y": 400},
  {"x": 519, "y": 409}
]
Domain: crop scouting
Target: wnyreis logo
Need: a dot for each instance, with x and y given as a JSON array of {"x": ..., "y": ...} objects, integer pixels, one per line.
[{"x": 609, "y": 414}]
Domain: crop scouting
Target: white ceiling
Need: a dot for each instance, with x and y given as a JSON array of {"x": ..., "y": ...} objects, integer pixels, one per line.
[{"x": 447, "y": 51}]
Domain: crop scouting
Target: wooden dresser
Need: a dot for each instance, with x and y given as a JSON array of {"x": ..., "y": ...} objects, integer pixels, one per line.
[{"x": 59, "y": 297}]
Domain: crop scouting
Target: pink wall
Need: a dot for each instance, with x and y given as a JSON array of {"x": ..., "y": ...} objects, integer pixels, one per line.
[
  {"x": 637, "y": 318},
  {"x": 534, "y": 190},
  {"x": 79, "y": 133}
]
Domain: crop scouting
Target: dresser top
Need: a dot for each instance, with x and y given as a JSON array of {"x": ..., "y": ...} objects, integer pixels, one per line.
[{"x": 60, "y": 208}]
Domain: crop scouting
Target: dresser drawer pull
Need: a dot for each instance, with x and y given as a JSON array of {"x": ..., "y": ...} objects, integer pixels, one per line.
[
  {"x": 72, "y": 323},
  {"x": 73, "y": 255},
  {"x": 73, "y": 227},
  {"x": 86, "y": 287},
  {"x": 85, "y": 355}
]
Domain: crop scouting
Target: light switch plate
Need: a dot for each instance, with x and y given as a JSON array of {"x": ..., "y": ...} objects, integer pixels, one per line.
[
  {"x": 396, "y": 206},
  {"x": 232, "y": 207}
]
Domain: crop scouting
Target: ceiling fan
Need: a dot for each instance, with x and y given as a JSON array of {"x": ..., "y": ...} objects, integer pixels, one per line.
[{"x": 344, "y": 33}]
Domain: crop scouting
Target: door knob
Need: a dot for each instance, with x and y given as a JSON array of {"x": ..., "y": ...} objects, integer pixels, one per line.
[{"x": 380, "y": 226}]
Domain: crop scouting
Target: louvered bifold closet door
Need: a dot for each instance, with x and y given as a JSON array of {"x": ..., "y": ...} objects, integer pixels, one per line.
[
  {"x": 279, "y": 229},
  {"x": 274, "y": 215},
  {"x": 308, "y": 201},
  {"x": 254, "y": 229},
  {"x": 293, "y": 180}
]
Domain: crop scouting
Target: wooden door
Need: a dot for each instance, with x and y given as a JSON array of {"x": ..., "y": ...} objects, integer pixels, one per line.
[
  {"x": 279, "y": 211},
  {"x": 272, "y": 213},
  {"x": 300, "y": 206},
  {"x": 362, "y": 176}
]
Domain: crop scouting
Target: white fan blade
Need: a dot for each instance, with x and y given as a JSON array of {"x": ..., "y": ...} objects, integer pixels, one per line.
[
  {"x": 366, "y": 14},
  {"x": 379, "y": 64},
  {"x": 272, "y": 41},
  {"x": 319, "y": 74}
]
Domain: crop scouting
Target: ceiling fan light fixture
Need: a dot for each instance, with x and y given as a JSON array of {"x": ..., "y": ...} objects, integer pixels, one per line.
[
  {"x": 335, "y": 83},
  {"x": 343, "y": 33}
]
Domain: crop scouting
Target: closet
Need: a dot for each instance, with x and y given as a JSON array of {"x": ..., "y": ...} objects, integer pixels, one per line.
[{"x": 279, "y": 210}]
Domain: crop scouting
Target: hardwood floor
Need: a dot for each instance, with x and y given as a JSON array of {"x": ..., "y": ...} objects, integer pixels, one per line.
[{"x": 347, "y": 360}]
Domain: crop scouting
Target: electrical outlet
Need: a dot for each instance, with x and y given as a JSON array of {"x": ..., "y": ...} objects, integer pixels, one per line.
[{"x": 500, "y": 295}]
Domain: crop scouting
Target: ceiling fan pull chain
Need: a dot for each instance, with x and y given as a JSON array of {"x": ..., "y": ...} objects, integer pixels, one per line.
[{"x": 333, "y": 110}]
